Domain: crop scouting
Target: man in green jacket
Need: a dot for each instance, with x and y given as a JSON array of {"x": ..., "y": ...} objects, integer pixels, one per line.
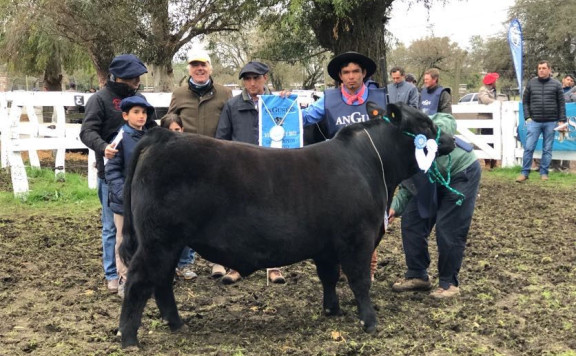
[
  {"x": 423, "y": 204},
  {"x": 198, "y": 104},
  {"x": 200, "y": 101}
]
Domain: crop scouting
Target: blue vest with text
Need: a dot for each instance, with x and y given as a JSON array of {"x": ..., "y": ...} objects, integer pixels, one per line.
[
  {"x": 339, "y": 114},
  {"x": 429, "y": 101}
]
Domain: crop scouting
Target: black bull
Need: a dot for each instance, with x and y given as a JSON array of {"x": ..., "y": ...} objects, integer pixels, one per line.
[{"x": 249, "y": 208}]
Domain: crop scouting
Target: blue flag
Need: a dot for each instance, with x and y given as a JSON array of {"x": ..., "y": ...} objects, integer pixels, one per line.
[
  {"x": 515, "y": 41},
  {"x": 280, "y": 121}
]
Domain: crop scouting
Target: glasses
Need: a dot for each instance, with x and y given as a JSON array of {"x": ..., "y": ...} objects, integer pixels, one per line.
[{"x": 251, "y": 77}]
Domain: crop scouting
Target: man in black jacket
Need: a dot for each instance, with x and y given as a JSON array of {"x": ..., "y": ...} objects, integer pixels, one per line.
[
  {"x": 544, "y": 109},
  {"x": 102, "y": 119}
]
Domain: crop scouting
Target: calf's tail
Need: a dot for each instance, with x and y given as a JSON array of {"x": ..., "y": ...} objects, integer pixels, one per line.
[{"x": 130, "y": 240}]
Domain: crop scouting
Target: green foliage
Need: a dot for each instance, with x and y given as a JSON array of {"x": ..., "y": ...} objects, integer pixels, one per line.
[{"x": 548, "y": 31}]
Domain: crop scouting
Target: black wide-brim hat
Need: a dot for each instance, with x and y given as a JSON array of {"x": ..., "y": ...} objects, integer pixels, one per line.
[{"x": 343, "y": 59}]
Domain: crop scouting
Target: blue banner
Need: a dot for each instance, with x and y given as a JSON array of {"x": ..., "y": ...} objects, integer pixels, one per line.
[
  {"x": 280, "y": 122},
  {"x": 516, "y": 47},
  {"x": 569, "y": 142}
]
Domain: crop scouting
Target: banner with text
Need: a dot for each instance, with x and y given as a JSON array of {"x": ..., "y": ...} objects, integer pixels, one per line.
[
  {"x": 516, "y": 47},
  {"x": 280, "y": 122},
  {"x": 568, "y": 143}
]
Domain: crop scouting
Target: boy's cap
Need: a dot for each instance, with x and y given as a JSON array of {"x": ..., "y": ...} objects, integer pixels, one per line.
[
  {"x": 128, "y": 103},
  {"x": 254, "y": 67},
  {"x": 198, "y": 55},
  {"x": 127, "y": 66}
]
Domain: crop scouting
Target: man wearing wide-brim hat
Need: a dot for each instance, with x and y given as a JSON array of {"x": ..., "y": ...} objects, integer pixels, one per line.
[{"x": 346, "y": 104}]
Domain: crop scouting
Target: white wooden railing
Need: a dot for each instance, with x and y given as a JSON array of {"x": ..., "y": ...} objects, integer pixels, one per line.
[{"x": 34, "y": 135}]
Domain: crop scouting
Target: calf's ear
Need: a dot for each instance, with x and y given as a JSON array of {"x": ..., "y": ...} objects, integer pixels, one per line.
[
  {"x": 375, "y": 111},
  {"x": 394, "y": 113}
]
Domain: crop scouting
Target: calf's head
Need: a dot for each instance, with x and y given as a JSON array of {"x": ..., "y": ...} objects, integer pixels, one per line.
[{"x": 414, "y": 122}]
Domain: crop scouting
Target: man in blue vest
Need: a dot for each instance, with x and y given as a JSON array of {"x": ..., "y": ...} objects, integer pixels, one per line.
[
  {"x": 345, "y": 104},
  {"x": 433, "y": 97}
]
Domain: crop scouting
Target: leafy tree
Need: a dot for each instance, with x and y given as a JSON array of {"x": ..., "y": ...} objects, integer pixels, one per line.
[
  {"x": 29, "y": 48},
  {"x": 548, "y": 31}
]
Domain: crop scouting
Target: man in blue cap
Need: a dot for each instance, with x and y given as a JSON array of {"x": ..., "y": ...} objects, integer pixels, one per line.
[{"x": 102, "y": 119}]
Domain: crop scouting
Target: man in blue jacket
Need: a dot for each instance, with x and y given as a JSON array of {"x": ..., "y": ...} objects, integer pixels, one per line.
[{"x": 345, "y": 104}]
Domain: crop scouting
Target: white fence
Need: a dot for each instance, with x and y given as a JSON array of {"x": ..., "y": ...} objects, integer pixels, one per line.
[{"x": 18, "y": 136}]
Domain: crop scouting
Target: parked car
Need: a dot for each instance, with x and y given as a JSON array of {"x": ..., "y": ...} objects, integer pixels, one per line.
[{"x": 471, "y": 98}]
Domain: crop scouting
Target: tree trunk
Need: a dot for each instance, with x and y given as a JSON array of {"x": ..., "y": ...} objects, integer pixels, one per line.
[
  {"x": 53, "y": 73},
  {"x": 361, "y": 30},
  {"x": 163, "y": 75}
]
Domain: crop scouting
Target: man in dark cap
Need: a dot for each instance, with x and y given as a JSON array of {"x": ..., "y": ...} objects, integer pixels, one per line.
[
  {"x": 345, "y": 104},
  {"x": 102, "y": 119},
  {"x": 411, "y": 79},
  {"x": 239, "y": 122}
]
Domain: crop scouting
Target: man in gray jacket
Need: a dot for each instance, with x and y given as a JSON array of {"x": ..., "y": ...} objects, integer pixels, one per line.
[
  {"x": 544, "y": 109},
  {"x": 400, "y": 90}
]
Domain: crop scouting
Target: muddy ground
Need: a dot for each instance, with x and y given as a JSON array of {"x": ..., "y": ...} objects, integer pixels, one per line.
[{"x": 518, "y": 292}]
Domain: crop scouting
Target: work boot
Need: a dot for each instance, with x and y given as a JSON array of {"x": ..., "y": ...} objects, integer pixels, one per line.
[
  {"x": 231, "y": 277},
  {"x": 275, "y": 276},
  {"x": 544, "y": 177},
  {"x": 218, "y": 271},
  {"x": 112, "y": 285},
  {"x": 521, "y": 178},
  {"x": 442, "y": 293},
  {"x": 411, "y": 284}
]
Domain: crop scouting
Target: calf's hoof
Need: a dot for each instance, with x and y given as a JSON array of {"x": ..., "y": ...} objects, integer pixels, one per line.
[
  {"x": 130, "y": 343},
  {"x": 369, "y": 328},
  {"x": 333, "y": 312}
]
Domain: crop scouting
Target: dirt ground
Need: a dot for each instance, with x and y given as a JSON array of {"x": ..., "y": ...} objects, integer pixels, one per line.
[{"x": 518, "y": 292}]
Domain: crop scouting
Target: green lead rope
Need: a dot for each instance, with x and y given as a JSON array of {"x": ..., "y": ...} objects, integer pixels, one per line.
[{"x": 434, "y": 175}]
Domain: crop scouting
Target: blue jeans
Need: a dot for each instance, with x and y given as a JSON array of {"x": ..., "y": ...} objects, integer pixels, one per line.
[
  {"x": 452, "y": 225},
  {"x": 533, "y": 131},
  {"x": 186, "y": 257},
  {"x": 108, "y": 233}
]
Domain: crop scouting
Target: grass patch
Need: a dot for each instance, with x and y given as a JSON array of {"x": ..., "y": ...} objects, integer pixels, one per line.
[
  {"x": 557, "y": 180},
  {"x": 49, "y": 192}
]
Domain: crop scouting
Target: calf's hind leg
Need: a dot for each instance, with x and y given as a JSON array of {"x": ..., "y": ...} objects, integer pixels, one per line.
[
  {"x": 138, "y": 289},
  {"x": 164, "y": 295},
  {"x": 328, "y": 272}
]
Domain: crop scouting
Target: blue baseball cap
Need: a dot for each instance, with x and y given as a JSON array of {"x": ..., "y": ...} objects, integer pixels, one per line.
[
  {"x": 127, "y": 66},
  {"x": 128, "y": 103}
]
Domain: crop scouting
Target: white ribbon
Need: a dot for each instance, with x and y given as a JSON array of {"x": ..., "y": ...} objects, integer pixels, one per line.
[{"x": 425, "y": 159}]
